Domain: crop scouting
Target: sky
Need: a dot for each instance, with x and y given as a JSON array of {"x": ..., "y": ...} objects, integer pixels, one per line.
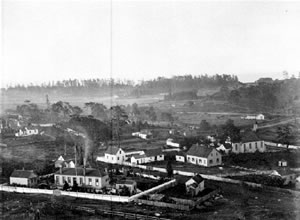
[{"x": 49, "y": 40}]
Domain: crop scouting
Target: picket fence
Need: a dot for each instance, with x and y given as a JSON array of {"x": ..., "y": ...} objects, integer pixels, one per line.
[{"x": 112, "y": 198}]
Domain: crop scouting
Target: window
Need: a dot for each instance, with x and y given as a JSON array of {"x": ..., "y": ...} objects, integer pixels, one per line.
[
  {"x": 210, "y": 161},
  {"x": 250, "y": 146},
  {"x": 193, "y": 159},
  {"x": 57, "y": 180},
  {"x": 199, "y": 161},
  {"x": 69, "y": 179},
  {"x": 97, "y": 182},
  {"x": 255, "y": 144},
  {"x": 217, "y": 160},
  {"x": 90, "y": 181},
  {"x": 74, "y": 180},
  {"x": 80, "y": 181},
  {"x": 188, "y": 158},
  {"x": 118, "y": 158},
  {"x": 63, "y": 179},
  {"x": 107, "y": 156}
]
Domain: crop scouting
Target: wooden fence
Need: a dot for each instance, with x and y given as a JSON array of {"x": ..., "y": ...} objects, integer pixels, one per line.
[
  {"x": 154, "y": 189},
  {"x": 164, "y": 204}
]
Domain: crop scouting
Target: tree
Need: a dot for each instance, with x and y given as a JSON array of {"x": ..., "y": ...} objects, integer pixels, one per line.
[
  {"x": 75, "y": 186},
  {"x": 286, "y": 135},
  {"x": 66, "y": 186},
  {"x": 169, "y": 169},
  {"x": 204, "y": 125},
  {"x": 230, "y": 130},
  {"x": 234, "y": 97},
  {"x": 98, "y": 110}
]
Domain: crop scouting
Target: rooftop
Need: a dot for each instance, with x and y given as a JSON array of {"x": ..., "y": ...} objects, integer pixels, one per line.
[
  {"x": 127, "y": 182},
  {"x": 199, "y": 150},
  {"x": 79, "y": 171},
  {"x": 112, "y": 150},
  {"x": 23, "y": 174}
]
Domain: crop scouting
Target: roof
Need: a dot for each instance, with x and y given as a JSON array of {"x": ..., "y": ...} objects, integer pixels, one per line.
[
  {"x": 112, "y": 150},
  {"x": 227, "y": 146},
  {"x": 198, "y": 179},
  {"x": 200, "y": 150},
  {"x": 137, "y": 156},
  {"x": 23, "y": 174},
  {"x": 180, "y": 153},
  {"x": 153, "y": 152},
  {"x": 88, "y": 172},
  {"x": 249, "y": 136},
  {"x": 127, "y": 182}
]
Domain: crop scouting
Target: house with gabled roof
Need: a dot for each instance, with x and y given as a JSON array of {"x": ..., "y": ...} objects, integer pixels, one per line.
[
  {"x": 204, "y": 155},
  {"x": 155, "y": 154},
  {"x": 84, "y": 177},
  {"x": 249, "y": 143},
  {"x": 180, "y": 156},
  {"x": 226, "y": 148},
  {"x": 114, "y": 154},
  {"x": 194, "y": 185},
  {"x": 23, "y": 177}
]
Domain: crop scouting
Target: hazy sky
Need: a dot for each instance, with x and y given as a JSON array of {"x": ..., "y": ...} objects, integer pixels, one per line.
[{"x": 54, "y": 40}]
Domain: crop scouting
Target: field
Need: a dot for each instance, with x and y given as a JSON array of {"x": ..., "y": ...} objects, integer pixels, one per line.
[{"x": 237, "y": 203}]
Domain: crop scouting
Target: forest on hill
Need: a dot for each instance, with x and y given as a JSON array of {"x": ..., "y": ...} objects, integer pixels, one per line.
[{"x": 106, "y": 87}]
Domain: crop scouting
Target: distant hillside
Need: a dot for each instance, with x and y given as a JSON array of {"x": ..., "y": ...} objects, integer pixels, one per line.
[
  {"x": 275, "y": 96},
  {"x": 121, "y": 88}
]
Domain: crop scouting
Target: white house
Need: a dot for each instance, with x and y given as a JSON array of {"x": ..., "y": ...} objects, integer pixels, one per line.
[
  {"x": 204, "y": 156},
  {"x": 84, "y": 177},
  {"x": 170, "y": 142},
  {"x": 145, "y": 134},
  {"x": 149, "y": 155},
  {"x": 250, "y": 143},
  {"x": 254, "y": 117},
  {"x": 26, "y": 132},
  {"x": 194, "y": 185},
  {"x": 138, "y": 159},
  {"x": 282, "y": 163},
  {"x": 114, "y": 154},
  {"x": 23, "y": 177},
  {"x": 226, "y": 148},
  {"x": 180, "y": 156}
]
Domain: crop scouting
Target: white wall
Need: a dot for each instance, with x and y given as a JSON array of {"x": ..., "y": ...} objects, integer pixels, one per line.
[{"x": 20, "y": 181}]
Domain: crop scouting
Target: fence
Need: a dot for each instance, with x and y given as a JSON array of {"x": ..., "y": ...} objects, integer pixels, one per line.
[
  {"x": 112, "y": 198},
  {"x": 154, "y": 189},
  {"x": 207, "y": 196},
  {"x": 164, "y": 204}
]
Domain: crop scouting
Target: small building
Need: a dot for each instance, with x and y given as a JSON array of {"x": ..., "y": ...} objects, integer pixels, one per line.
[
  {"x": 204, "y": 155},
  {"x": 26, "y": 132},
  {"x": 194, "y": 185},
  {"x": 130, "y": 184},
  {"x": 138, "y": 159},
  {"x": 282, "y": 163},
  {"x": 180, "y": 156},
  {"x": 155, "y": 154},
  {"x": 114, "y": 154},
  {"x": 170, "y": 142},
  {"x": 250, "y": 143},
  {"x": 84, "y": 177},
  {"x": 254, "y": 117},
  {"x": 23, "y": 177},
  {"x": 226, "y": 148},
  {"x": 297, "y": 184}
]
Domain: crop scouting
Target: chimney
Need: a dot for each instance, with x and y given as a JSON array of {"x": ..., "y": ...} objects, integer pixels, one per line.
[{"x": 84, "y": 166}]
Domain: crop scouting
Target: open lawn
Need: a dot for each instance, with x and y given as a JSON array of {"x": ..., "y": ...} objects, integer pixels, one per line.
[{"x": 188, "y": 167}]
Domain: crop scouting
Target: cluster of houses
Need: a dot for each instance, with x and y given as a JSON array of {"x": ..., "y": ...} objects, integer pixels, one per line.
[
  {"x": 117, "y": 155},
  {"x": 13, "y": 125}
]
